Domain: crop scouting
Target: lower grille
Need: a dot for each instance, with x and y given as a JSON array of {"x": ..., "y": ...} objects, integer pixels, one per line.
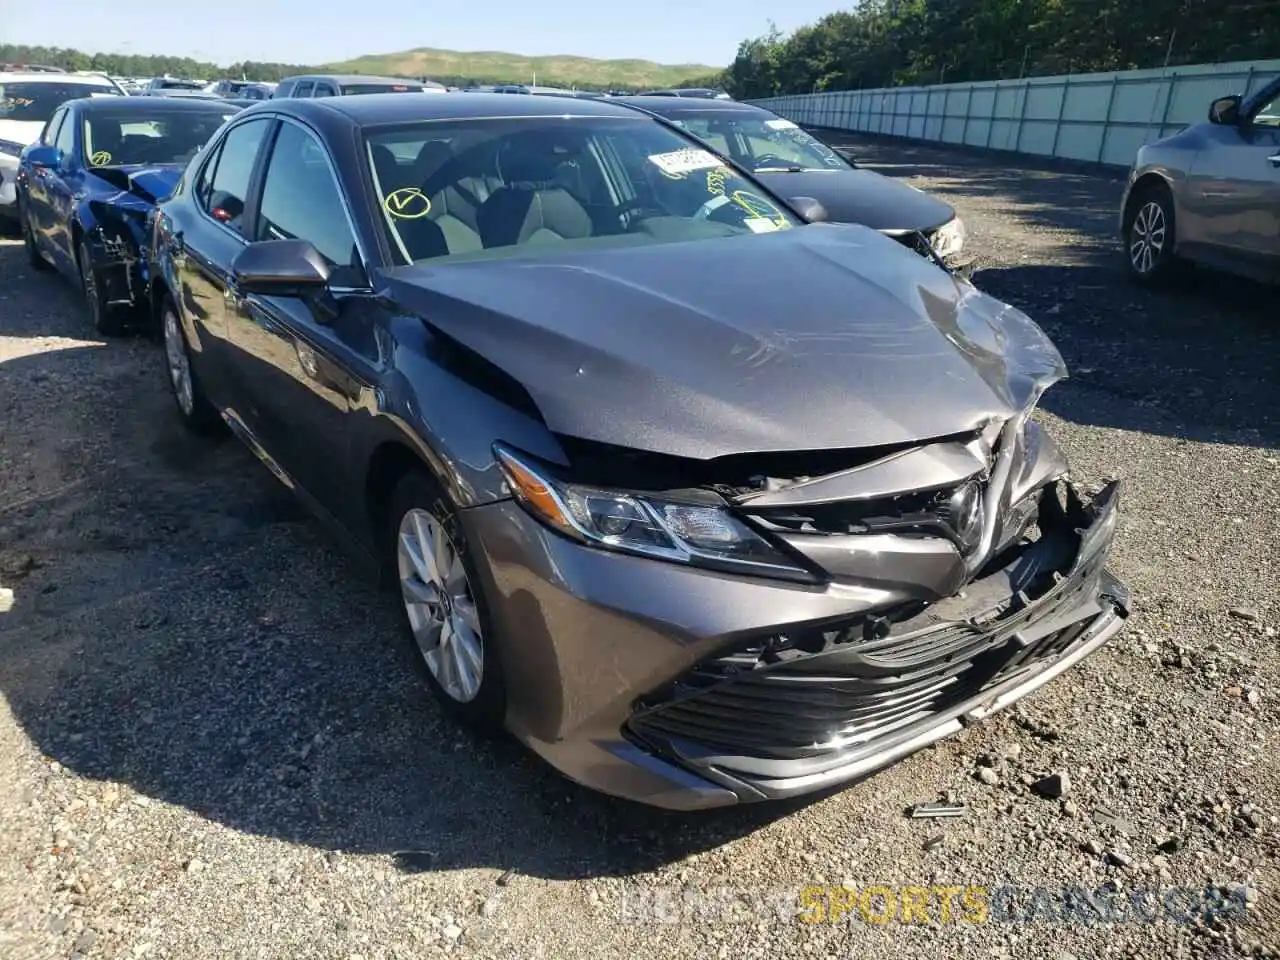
[{"x": 862, "y": 689}]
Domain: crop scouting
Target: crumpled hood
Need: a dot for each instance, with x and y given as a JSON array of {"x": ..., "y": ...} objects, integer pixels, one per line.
[
  {"x": 865, "y": 197},
  {"x": 150, "y": 184},
  {"x": 821, "y": 337}
]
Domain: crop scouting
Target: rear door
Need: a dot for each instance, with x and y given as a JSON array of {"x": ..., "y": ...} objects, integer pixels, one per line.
[{"x": 304, "y": 361}]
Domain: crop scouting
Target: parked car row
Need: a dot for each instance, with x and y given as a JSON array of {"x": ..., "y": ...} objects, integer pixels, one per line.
[{"x": 703, "y": 502}]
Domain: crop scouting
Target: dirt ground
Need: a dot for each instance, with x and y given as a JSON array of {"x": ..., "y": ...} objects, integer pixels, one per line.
[{"x": 212, "y": 742}]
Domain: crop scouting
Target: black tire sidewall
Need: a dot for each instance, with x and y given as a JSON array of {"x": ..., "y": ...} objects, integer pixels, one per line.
[
  {"x": 1163, "y": 266},
  {"x": 417, "y": 489}
]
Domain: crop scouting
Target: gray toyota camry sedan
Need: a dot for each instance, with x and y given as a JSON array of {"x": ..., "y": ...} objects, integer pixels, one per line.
[{"x": 703, "y": 504}]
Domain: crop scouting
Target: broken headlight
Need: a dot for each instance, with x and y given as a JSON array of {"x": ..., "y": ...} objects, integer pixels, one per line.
[{"x": 694, "y": 533}]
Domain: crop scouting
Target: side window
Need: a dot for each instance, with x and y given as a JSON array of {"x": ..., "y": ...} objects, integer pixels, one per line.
[
  {"x": 1268, "y": 115},
  {"x": 302, "y": 201},
  {"x": 50, "y": 134},
  {"x": 224, "y": 194},
  {"x": 303, "y": 89},
  {"x": 66, "y": 138},
  {"x": 325, "y": 90}
]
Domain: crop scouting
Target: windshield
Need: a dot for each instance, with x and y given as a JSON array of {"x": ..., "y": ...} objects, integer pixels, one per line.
[
  {"x": 354, "y": 88},
  {"x": 119, "y": 138},
  {"x": 761, "y": 142},
  {"x": 179, "y": 85},
  {"x": 36, "y": 101},
  {"x": 508, "y": 187}
]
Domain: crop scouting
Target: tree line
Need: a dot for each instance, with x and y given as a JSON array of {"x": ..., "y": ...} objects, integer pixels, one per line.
[{"x": 886, "y": 43}]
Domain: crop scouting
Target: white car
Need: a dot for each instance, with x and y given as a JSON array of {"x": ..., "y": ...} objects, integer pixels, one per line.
[{"x": 27, "y": 101}]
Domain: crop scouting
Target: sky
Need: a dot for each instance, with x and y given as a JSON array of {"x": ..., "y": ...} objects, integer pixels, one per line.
[{"x": 322, "y": 31}]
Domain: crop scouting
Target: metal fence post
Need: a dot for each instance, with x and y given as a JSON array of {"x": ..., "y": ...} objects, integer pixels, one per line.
[
  {"x": 1168, "y": 102},
  {"x": 1022, "y": 116},
  {"x": 1106, "y": 124},
  {"x": 968, "y": 108},
  {"x": 1062, "y": 109}
]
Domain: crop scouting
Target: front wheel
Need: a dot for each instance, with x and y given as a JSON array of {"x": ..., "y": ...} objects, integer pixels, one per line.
[
  {"x": 106, "y": 319},
  {"x": 443, "y": 609},
  {"x": 1149, "y": 236},
  {"x": 198, "y": 414}
]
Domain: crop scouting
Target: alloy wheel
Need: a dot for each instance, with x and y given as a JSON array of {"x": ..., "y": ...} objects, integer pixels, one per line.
[
  {"x": 175, "y": 351},
  {"x": 1147, "y": 237},
  {"x": 440, "y": 605}
]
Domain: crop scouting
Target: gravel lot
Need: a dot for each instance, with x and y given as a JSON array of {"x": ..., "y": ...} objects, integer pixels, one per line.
[{"x": 212, "y": 743}]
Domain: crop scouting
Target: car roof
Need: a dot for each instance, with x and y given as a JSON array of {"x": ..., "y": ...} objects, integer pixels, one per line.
[
  {"x": 94, "y": 80},
  {"x": 677, "y": 106},
  {"x": 374, "y": 109},
  {"x": 351, "y": 78},
  {"x": 145, "y": 105}
]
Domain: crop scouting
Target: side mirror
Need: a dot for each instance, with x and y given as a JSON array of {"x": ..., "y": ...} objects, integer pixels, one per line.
[
  {"x": 848, "y": 156},
  {"x": 1225, "y": 111},
  {"x": 44, "y": 155},
  {"x": 809, "y": 209},
  {"x": 280, "y": 268}
]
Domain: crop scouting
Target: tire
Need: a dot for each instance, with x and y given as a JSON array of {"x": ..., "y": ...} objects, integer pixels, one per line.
[
  {"x": 452, "y": 636},
  {"x": 1150, "y": 236},
  {"x": 36, "y": 261},
  {"x": 108, "y": 321},
  {"x": 198, "y": 415}
]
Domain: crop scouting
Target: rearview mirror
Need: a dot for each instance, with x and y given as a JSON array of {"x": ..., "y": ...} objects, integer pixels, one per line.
[
  {"x": 809, "y": 209},
  {"x": 1225, "y": 110},
  {"x": 44, "y": 155},
  {"x": 280, "y": 268}
]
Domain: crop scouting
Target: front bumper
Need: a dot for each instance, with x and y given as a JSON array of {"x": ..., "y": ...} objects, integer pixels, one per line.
[{"x": 624, "y": 684}]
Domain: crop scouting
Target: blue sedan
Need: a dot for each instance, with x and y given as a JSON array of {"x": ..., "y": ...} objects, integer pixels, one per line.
[{"x": 87, "y": 186}]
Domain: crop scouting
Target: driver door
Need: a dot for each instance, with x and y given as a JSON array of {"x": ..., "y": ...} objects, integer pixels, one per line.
[
  {"x": 304, "y": 362},
  {"x": 1234, "y": 186}
]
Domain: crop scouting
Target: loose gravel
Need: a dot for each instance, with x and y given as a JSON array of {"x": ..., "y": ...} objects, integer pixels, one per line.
[{"x": 212, "y": 743}]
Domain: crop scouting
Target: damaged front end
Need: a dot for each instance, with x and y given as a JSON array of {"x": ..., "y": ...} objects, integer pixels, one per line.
[
  {"x": 117, "y": 233},
  {"x": 972, "y": 570}
]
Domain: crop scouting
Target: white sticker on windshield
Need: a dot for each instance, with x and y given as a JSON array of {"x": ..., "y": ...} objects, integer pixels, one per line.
[
  {"x": 779, "y": 124},
  {"x": 679, "y": 162},
  {"x": 760, "y": 224}
]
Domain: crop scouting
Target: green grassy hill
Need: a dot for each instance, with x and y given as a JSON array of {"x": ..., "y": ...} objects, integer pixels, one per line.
[{"x": 557, "y": 71}]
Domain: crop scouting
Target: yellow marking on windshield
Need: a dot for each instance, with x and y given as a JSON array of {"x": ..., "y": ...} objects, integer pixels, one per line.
[
  {"x": 407, "y": 203},
  {"x": 100, "y": 159}
]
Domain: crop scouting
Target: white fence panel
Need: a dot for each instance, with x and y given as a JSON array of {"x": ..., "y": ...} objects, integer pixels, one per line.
[{"x": 1096, "y": 117}]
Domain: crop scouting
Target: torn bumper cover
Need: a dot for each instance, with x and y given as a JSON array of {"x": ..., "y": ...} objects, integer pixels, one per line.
[
  {"x": 121, "y": 268},
  {"x": 747, "y": 698}
]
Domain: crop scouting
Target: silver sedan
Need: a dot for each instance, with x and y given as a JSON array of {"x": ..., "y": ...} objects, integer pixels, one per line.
[{"x": 1210, "y": 193}]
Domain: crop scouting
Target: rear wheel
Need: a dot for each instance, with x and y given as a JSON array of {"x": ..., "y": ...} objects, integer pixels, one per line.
[
  {"x": 1149, "y": 236},
  {"x": 29, "y": 241},
  {"x": 106, "y": 319},
  {"x": 442, "y": 608}
]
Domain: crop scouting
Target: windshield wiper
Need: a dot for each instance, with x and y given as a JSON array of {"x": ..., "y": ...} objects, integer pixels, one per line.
[{"x": 792, "y": 169}]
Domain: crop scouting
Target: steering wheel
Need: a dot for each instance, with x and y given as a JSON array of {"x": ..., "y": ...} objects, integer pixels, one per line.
[
  {"x": 772, "y": 160},
  {"x": 705, "y": 211},
  {"x": 631, "y": 211}
]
